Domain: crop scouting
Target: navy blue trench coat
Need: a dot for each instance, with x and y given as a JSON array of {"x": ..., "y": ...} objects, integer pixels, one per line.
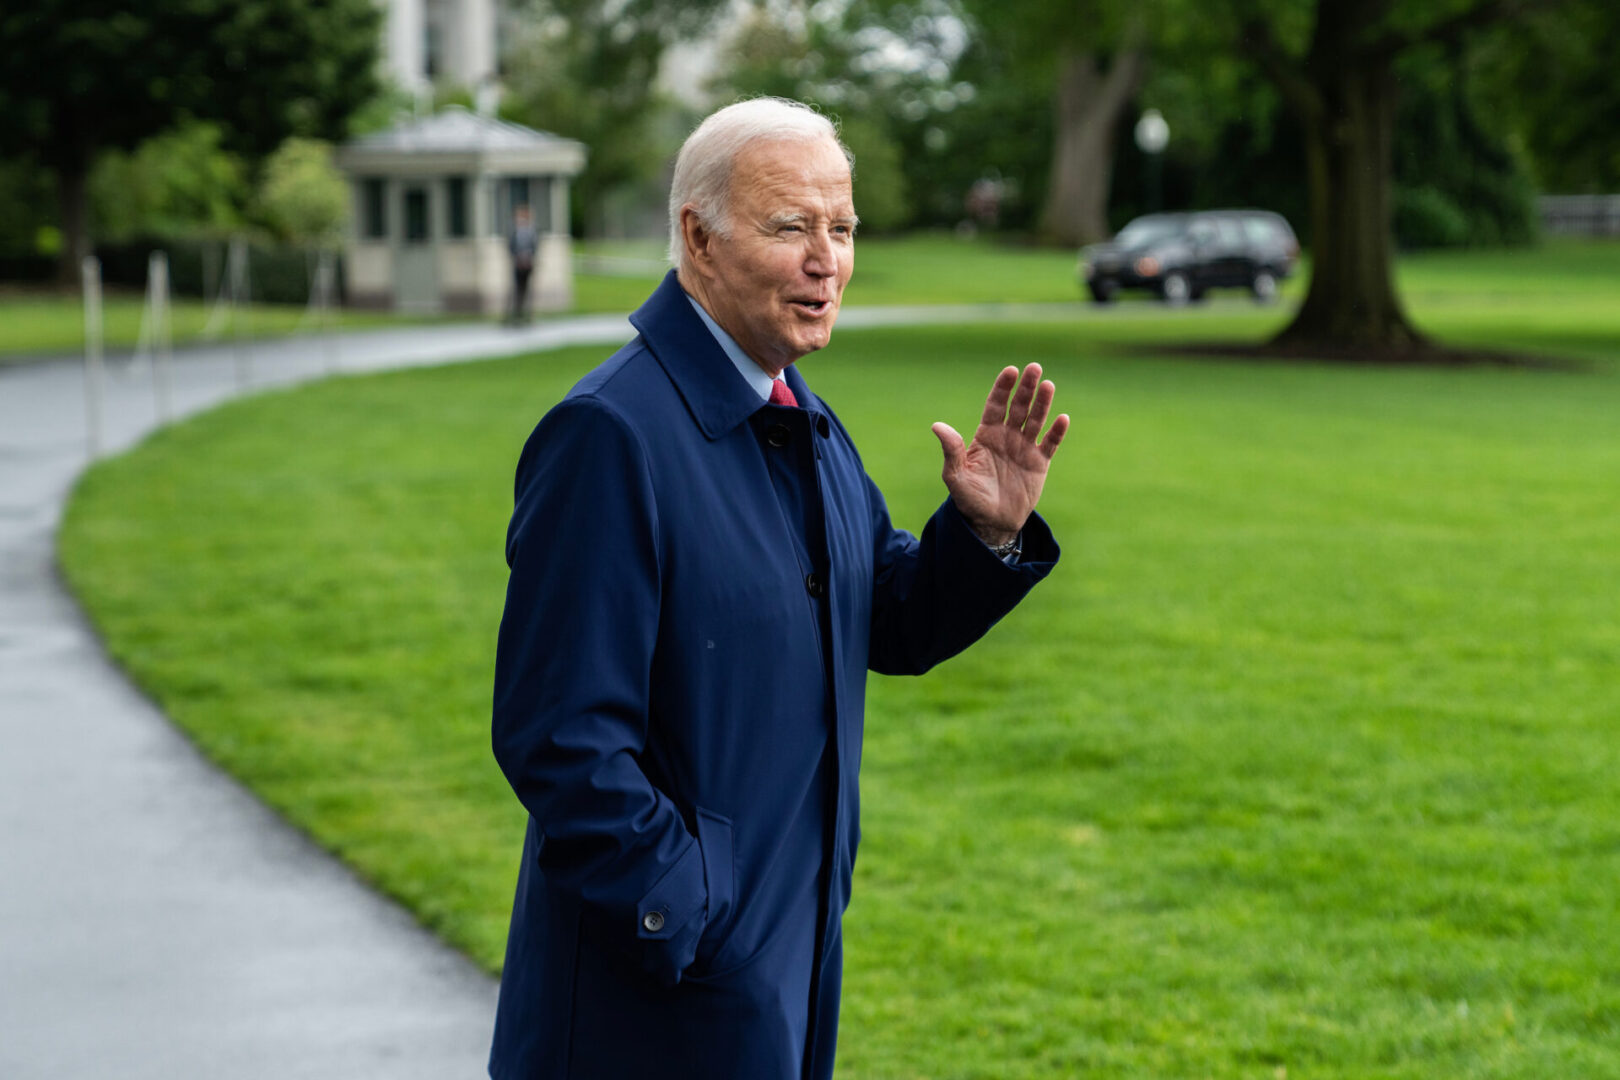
[{"x": 699, "y": 583}]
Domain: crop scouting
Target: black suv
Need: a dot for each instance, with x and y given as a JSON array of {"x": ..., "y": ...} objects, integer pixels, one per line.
[{"x": 1179, "y": 256}]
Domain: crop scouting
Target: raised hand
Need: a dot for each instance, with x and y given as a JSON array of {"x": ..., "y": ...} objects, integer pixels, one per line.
[{"x": 996, "y": 482}]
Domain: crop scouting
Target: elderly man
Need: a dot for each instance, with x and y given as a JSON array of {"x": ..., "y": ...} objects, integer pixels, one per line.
[{"x": 702, "y": 574}]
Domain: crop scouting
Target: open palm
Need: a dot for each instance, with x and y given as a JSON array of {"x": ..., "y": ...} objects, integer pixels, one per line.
[{"x": 996, "y": 480}]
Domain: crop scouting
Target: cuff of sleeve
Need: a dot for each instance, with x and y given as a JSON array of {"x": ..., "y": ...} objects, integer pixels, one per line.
[
  {"x": 669, "y": 917},
  {"x": 1037, "y": 549}
]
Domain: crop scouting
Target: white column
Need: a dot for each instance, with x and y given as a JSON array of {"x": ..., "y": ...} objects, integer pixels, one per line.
[
  {"x": 471, "y": 45},
  {"x": 404, "y": 43},
  {"x": 559, "y": 204}
]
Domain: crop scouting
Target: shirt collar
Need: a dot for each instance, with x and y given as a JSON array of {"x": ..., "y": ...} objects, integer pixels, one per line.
[
  {"x": 703, "y": 374},
  {"x": 757, "y": 377}
]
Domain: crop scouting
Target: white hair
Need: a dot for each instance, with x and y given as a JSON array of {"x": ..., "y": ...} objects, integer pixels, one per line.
[{"x": 704, "y": 166}]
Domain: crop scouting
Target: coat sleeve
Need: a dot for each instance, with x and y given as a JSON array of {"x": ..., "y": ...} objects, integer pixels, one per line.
[
  {"x": 934, "y": 596},
  {"x": 572, "y": 688}
]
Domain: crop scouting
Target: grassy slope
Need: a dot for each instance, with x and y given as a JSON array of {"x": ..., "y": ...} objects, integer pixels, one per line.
[
  {"x": 1303, "y": 757},
  {"x": 38, "y": 323}
]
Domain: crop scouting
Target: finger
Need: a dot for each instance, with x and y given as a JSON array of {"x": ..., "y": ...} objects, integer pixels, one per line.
[
  {"x": 951, "y": 444},
  {"x": 1041, "y": 409},
  {"x": 1054, "y": 435},
  {"x": 1025, "y": 396},
  {"x": 995, "y": 406}
]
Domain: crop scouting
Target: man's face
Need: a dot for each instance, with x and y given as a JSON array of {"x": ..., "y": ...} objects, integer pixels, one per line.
[{"x": 776, "y": 282}]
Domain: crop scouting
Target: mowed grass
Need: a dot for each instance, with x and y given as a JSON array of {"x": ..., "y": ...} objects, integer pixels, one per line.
[
  {"x": 35, "y": 323},
  {"x": 1570, "y": 281},
  {"x": 1302, "y": 761},
  {"x": 922, "y": 269}
]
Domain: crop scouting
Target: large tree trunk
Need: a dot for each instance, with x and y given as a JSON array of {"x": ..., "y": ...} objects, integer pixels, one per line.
[
  {"x": 1346, "y": 96},
  {"x": 1086, "y": 113},
  {"x": 73, "y": 203}
]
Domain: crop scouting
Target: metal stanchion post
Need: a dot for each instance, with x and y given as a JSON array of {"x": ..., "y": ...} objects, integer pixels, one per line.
[
  {"x": 239, "y": 301},
  {"x": 90, "y": 275},
  {"x": 327, "y": 273},
  {"x": 157, "y": 284}
]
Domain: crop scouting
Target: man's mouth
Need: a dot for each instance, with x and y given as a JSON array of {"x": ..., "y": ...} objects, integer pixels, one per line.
[{"x": 814, "y": 307}]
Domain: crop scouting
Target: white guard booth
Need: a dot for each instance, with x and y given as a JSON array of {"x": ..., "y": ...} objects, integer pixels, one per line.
[{"x": 433, "y": 204}]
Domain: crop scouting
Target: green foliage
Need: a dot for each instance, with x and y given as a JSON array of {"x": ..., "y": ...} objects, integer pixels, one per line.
[
  {"x": 25, "y": 205},
  {"x": 303, "y": 198},
  {"x": 1425, "y": 217},
  {"x": 1301, "y": 761},
  {"x": 1550, "y": 84},
  {"x": 276, "y": 274},
  {"x": 586, "y": 69},
  {"x": 180, "y": 183},
  {"x": 1456, "y": 183},
  {"x": 821, "y": 62},
  {"x": 880, "y": 185},
  {"x": 86, "y": 75}
]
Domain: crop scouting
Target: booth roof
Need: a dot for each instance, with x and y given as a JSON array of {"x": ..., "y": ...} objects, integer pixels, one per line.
[{"x": 457, "y": 132}]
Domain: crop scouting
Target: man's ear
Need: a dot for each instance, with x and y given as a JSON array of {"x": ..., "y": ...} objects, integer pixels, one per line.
[{"x": 697, "y": 239}]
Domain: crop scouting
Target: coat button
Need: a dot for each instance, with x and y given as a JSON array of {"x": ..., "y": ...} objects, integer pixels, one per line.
[
  {"x": 777, "y": 435},
  {"x": 653, "y": 921},
  {"x": 814, "y": 586}
]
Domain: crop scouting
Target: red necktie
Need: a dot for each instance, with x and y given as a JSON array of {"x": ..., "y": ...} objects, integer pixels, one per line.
[{"x": 781, "y": 395}]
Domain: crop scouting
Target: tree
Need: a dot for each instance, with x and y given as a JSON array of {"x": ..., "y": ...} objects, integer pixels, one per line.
[
  {"x": 84, "y": 76},
  {"x": 303, "y": 197},
  {"x": 821, "y": 62},
  {"x": 1551, "y": 83},
  {"x": 1088, "y": 57},
  {"x": 588, "y": 69},
  {"x": 1334, "y": 63},
  {"x": 1457, "y": 184},
  {"x": 181, "y": 182}
]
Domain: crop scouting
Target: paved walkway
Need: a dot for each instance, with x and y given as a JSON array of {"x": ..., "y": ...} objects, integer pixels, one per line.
[{"x": 155, "y": 920}]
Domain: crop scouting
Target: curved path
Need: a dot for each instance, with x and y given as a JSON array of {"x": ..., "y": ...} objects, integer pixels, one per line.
[{"x": 155, "y": 920}]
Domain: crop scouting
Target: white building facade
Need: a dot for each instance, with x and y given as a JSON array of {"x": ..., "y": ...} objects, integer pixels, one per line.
[{"x": 443, "y": 41}]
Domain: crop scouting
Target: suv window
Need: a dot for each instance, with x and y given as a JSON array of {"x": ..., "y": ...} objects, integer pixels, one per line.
[
  {"x": 1231, "y": 236},
  {"x": 1262, "y": 231},
  {"x": 1201, "y": 231}
]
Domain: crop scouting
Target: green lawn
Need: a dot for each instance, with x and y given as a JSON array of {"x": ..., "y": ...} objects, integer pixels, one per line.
[
  {"x": 1303, "y": 760},
  {"x": 1569, "y": 280},
  {"x": 35, "y": 323}
]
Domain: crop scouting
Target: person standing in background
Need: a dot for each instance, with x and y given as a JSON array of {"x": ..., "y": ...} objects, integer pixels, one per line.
[{"x": 524, "y": 244}]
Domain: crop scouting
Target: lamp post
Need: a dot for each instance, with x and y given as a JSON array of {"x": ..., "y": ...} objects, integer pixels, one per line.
[{"x": 1152, "y": 136}]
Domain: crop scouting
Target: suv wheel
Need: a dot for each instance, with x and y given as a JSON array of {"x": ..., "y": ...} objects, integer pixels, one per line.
[
  {"x": 1102, "y": 292},
  {"x": 1175, "y": 289},
  {"x": 1264, "y": 287}
]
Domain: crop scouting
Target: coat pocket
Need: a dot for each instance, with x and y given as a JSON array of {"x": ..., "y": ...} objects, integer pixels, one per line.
[{"x": 719, "y": 876}]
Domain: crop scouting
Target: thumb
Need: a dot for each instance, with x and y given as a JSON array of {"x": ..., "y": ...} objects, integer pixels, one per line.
[{"x": 951, "y": 444}]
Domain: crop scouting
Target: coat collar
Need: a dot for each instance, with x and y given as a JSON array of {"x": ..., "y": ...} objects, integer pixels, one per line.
[{"x": 716, "y": 395}]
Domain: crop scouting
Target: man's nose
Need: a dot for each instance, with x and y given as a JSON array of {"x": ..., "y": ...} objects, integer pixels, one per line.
[{"x": 821, "y": 260}]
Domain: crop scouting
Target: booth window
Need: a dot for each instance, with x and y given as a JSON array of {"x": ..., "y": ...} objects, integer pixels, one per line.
[
  {"x": 416, "y": 215},
  {"x": 374, "y": 209},
  {"x": 457, "y": 193}
]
